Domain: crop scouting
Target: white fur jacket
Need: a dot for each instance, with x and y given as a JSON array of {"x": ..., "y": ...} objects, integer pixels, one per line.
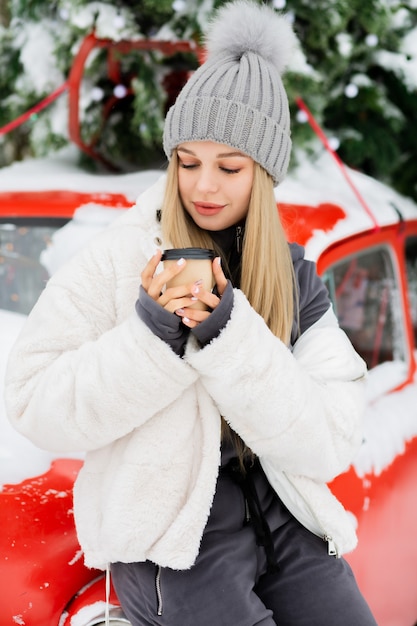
[{"x": 86, "y": 374}]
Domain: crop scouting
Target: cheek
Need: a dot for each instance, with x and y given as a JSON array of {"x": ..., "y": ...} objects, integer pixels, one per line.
[
  {"x": 183, "y": 187},
  {"x": 248, "y": 195},
  {"x": 245, "y": 193}
]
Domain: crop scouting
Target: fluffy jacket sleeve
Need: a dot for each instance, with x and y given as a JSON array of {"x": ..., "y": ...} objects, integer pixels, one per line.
[
  {"x": 300, "y": 410},
  {"x": 86, "y": 370}
]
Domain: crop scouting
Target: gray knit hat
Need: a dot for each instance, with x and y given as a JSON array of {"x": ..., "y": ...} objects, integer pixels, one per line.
[{"x": 237, "y": 97}]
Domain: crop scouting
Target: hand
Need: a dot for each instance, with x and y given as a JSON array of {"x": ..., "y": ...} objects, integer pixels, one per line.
[
  {"x": 172, "y": 298},
  {"x": 192, "y": 317},
  {"x": 179, "y": 299}
]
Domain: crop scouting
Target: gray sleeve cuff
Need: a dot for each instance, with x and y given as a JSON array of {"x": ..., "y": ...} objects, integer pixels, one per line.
[
  {"x": 217, "y": 320},
  {"x": 165, "y": 325}
]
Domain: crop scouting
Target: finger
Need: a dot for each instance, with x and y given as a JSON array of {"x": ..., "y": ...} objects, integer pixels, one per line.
[
  {"x": 206, "y": 297},
  {"x": 149, "y": 269},
  {"x": 158, "y": 282},
  {"x": 173, "y": 304},
  {"x": 192, "y": 317},
  {"x": 219, "y": 277}
]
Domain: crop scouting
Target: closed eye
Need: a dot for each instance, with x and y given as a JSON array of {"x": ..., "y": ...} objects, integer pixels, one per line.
[
  {"x": 188, "y": 166},
  {"x": 191, "y": 166},
  {"x": 230, "y": 171}
]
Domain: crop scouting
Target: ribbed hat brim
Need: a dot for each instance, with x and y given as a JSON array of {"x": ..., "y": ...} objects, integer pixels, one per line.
[{"x": 231, "y": 123}]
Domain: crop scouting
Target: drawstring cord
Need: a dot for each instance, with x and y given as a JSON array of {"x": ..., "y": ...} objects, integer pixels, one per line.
[
  {"x": 107, "y": 608},
  {"x": 260, "y": 526}
]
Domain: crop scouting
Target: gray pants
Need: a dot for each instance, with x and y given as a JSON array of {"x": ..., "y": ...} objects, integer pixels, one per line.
[{"x": 231, "y": 585}]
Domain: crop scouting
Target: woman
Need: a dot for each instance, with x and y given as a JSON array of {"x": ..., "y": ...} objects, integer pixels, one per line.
[{"x": 209, "y": 434}]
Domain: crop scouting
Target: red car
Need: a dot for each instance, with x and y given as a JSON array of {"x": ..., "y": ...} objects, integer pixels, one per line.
[{"x": 363, "y": 237}]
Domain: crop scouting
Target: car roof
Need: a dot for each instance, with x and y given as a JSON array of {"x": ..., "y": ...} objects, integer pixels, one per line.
[{"x": 339, "y": 203}]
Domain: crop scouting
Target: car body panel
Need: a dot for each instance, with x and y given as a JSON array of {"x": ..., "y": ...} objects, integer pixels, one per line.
[
  {"x": 385, "y": 560},
  {"x": 38, "y": 546}
]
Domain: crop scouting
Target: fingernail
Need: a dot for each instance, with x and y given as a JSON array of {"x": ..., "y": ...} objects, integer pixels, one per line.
[
  {"x": 180, "y": 261},
  {"x": 195, "y": 287},
  {"x": 194, "y": 299},
  {"x": 186, "y": 320},
  {"x": 179, "y": 311},
  {"x": 219, "y": 260}
]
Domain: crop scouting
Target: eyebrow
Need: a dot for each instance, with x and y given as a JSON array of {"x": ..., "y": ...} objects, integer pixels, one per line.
[{"x": 222, "y": 155}]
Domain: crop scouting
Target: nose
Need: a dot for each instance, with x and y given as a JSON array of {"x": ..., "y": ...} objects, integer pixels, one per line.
[{"x": 207, "y": 180}]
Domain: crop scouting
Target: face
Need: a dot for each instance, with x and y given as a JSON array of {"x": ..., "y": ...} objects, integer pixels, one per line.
[{"x": 215, "y": 183}]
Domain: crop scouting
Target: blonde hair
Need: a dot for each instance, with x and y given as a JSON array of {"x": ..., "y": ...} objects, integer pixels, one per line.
[
  {"x": 267, "y": 277},
  {"x": 267, "y": 271}
]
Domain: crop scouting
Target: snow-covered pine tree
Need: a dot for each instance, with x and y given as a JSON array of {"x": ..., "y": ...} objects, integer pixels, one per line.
[
  {"x": 366, "y": 56},
  {"x": 37, "y": 49},
  {"x": 357, "y": 73}
]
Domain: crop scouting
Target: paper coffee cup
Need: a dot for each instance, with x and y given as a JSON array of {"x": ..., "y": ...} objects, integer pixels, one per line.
[{"x": 199, "y": 266}]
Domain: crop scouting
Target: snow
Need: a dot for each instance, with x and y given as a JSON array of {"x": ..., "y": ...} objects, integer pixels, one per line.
[
  {"x": 61, "y": 171},
  {"x": 41, "y": 41},
  {"x": 106, "y": 20},
  {"x": 409, "y": 47},
  {"x": 313, "y": 182},
  {"x": 42, "y": 76},
  {"x": 390, "y": 421},
  {"x": 403, "y": 63},
  {"x": 345, "y": 44},
  {"x": 87, "y": 221},
  {"x": 320, "y": 180}
]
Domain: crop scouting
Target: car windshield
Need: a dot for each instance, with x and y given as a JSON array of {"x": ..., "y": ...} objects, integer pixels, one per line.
[{"x": 22, "y": 273}]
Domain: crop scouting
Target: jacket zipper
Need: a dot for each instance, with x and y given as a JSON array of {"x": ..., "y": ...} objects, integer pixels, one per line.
[
  {"x": 239, "y": 239},
  {"x": 158, "y": 590},
  {"x": 247, "y": 512},
  {"x": 331, "y": 546}
]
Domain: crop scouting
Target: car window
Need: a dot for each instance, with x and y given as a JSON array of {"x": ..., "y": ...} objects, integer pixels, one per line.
[
  {"x": 411, "y": 264},
  {"x": 22, "y": 275},
  {"x": 365, "y": 296}
]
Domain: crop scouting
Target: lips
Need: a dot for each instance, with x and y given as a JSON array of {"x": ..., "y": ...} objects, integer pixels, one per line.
[{"x": 208, "y": 208}]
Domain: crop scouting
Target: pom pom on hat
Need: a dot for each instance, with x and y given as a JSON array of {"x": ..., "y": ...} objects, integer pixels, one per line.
[
  {"x": 237, "y": 97},
  {"x": 242, "y": 26}
]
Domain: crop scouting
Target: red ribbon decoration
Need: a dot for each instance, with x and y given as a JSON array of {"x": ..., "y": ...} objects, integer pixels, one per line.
[
  {"x": 35, "y": 109},
  {"x": 319, "y": 132}
]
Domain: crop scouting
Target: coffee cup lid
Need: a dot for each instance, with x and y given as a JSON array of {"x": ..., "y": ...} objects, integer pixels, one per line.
[{"x": 173, "y": 254}]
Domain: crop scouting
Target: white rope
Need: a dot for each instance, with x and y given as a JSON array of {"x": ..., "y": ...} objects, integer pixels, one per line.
[{"x": 107, "y": 613}]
